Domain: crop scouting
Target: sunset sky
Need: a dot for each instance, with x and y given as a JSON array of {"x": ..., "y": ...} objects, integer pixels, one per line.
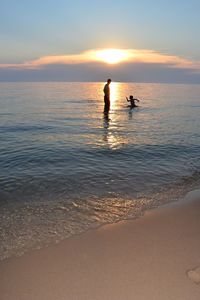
[{"x": 140, "y": 41}]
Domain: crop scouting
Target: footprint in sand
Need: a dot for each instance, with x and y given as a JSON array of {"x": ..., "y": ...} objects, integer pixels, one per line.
[{"x": 194, "y": 275}]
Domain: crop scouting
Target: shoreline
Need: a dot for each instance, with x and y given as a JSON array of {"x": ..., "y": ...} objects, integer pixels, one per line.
[{"x": 156, "y": 256}]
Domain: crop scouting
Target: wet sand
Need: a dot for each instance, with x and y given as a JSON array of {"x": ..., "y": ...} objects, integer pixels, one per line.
[{"x": 154, "y": 257}]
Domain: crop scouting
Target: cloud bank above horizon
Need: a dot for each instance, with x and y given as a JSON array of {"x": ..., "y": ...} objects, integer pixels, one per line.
[
  {"x": 125, "y": 65},
  {"x": 108, "y": 56}
]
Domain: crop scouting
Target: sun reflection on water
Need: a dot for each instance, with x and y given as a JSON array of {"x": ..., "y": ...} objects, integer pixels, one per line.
[
  {"x": 115, "y": 88},
  {"x": 112, "y": 136}
]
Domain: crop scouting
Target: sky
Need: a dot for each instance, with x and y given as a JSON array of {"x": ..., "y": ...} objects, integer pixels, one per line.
[{"x": 66, "y": 40}]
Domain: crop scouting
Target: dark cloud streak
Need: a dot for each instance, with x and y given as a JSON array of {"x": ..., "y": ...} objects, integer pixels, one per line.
[{"x": 95, "y": 72}]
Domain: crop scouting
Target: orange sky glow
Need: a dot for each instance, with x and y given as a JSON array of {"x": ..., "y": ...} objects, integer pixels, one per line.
[{"x": 109, "y": 56}]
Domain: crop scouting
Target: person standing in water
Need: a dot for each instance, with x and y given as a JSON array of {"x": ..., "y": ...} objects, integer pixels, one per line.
[{"x": 107, "y": 96}]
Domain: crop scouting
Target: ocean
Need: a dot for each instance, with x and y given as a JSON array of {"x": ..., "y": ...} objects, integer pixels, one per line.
[{"x": 66, "y": 167}]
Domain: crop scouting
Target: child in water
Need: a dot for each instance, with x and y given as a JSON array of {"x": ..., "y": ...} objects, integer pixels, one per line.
[{"x": 132, "y": 100}]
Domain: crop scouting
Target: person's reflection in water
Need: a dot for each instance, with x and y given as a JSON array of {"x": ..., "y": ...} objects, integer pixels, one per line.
[
  {"x": 106, "y": 120},
  {"x": 130, "y": 114},
  {"x": 106, "y": 124}
]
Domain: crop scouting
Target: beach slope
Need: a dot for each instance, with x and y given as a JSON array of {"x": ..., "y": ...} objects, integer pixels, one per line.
[{"x": 155, "y": 257}]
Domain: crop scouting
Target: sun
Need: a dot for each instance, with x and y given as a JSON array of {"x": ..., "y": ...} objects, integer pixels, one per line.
[{"x": 111, "y": 56}]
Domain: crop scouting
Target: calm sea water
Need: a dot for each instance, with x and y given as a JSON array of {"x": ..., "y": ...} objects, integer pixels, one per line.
[{"x": 65, "y": 167}]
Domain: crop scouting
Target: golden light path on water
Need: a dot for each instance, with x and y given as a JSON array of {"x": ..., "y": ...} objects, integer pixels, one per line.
[
  {"x": 111, "y": 123},
  {"x": 115, "y": 89}
]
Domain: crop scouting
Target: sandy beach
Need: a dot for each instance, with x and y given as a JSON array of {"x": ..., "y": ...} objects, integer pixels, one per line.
[{"x": 154, "y": 257}]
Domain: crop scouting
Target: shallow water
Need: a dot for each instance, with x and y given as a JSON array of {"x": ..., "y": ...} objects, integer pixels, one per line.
[{"x": 66, "y": 167}]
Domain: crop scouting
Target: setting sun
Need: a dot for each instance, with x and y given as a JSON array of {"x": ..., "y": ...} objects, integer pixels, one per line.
[{"x": 111, "y": 56}]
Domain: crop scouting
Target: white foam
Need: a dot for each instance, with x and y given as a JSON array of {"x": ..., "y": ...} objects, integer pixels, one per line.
[{"x": 193, "y": 195}]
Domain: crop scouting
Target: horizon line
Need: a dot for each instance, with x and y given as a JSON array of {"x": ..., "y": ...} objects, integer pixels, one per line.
[{"x": 113, "y": 81}]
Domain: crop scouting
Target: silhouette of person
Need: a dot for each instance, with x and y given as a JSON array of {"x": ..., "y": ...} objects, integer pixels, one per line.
[
  {"x": 132, "y": 100},
  {"x": 107, "y": 96}
]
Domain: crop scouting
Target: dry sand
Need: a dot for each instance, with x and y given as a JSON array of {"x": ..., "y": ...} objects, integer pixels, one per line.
[{"x": 156, "y": 257}]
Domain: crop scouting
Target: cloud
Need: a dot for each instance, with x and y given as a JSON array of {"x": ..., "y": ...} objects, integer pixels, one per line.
[
  {"x": 97, "y": 65},
  {"x": 98, "y": 72},
  {"x": 121, "y": 56}
]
